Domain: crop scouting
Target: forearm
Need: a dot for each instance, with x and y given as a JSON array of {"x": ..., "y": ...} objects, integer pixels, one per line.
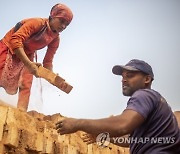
[
  {"x": 22, "y": 56},
  {"x": 95, "y": 127}
]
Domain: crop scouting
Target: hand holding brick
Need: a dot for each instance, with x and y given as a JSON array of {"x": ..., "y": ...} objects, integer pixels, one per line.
[{"x": 54, "y": 79}]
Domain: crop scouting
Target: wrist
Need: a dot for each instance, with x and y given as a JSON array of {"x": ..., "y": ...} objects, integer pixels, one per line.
[
  {"x": 28, "y": 64},
  {"x": 79, "y": 124}
]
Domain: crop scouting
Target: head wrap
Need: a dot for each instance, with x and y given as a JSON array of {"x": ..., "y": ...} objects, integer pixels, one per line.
[{"x": 61, "y": 11}]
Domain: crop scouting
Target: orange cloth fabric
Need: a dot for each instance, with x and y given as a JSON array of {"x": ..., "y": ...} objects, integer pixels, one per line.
[
  {"x": 62, "y": 11},
  {"x": 3, "y": 54},
  {"x": 13, "y": 72},
  {"x": 31, "y": 34}
]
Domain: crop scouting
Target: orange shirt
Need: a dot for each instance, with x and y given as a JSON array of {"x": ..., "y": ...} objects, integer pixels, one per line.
[{"x": 33, "y": 34}]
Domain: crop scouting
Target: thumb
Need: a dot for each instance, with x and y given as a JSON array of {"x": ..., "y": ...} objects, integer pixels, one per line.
[{"x": 38, "y": 64}]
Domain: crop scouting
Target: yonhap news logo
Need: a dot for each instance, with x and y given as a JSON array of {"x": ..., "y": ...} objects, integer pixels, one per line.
[
  {"x": 144, "y": 140},
  {"x": 103, "y": 139}
]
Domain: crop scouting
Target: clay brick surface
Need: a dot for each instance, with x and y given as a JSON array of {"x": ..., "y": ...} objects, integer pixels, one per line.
[
  {"x": 90, "y": 149},
  {"x": 34, "y": 133},
  {"x": 1, "y": 130},
  {"x": 72, "y": 149},
  {"x": 11, "y": 136},
  {"x": 48, "y": 145},
  {"x": 58, "y": 147},
  {"x": 35, "y": 114},
  {"x": 2, "y": 149},
  {"x": 39, "y": 142},
  {"x": 3, "y": 116}
]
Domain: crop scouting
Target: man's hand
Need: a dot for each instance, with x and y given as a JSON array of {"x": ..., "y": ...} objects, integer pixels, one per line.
[{"x": 67, "y": 126}]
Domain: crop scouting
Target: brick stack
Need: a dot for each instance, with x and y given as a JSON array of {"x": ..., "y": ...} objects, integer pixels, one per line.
[{"x": 34, "y": 133}]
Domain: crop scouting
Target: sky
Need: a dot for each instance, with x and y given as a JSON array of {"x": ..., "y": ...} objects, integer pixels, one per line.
[{"x": 102, "y": 34}]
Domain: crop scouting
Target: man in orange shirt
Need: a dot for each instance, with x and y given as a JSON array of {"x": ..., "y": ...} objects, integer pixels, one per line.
[{"x": 19, "y": 45}]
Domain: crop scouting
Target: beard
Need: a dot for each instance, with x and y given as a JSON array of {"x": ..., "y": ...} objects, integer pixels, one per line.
[{"x": 128, "y": 91}]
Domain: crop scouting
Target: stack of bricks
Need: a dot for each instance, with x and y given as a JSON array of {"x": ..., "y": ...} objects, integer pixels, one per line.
[{"x": 34, "y": 133}]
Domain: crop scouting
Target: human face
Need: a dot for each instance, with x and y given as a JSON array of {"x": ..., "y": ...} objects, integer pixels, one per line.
[
  {"x": 132, "y": 81},
  {"x": 58, "y": 24}
]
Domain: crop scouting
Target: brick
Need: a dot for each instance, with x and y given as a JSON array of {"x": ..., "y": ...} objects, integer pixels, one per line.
[
  {"x": 11, "y": 135},
  {"x": 40, "y": 126},
  {"x": 57, "y": 148},
  {"x": 48, "y": 127},
  {"x": 21, "y": 119},
  {"x": 48, "y": 145},
  {"x": 60, "y": 148},
  {"x": 2, "y": 148},
  {"x": 76, "y": 141},
  {"x": 64, "y": 139},
  {"x": 1, "y": 130},
  {"x": 54, "y": 79},
  {"x": 90, "y": 149},
  {"x": 72, "y": 150},
  {"x": 106, "y": 150},
  {"x": 115, "y": 149},
  {"x": 126, "y": 150},
  {"x": 28, "y": 140},
  {"x": 3, "y": 113},
  {"x": 35, "y": 114},
  {"x": 39, "y": 142},
  {"x": 3, "y": 116},
  {"x": 102, "y": 150},
  {"x": 65, "y": 149},
  {"x": 56, "y": 117},
  {"x": 96, "y": 149},
  {"x": 32, "y": 141},
  {"x": 54, "y": 135},
  {"x": 48, "y": 118},
  {"x": 10, "y": 116}
]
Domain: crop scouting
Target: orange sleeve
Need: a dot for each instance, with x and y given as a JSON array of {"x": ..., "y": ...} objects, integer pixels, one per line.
[
  {"x": 51, "y": 50},
  {"x": 29, "y": 27}
]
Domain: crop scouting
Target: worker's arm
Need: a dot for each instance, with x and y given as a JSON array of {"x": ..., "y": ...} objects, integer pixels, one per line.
[
  {"x": 22, "y": 32},
  {"x": 32, "y": 67},
  {"x": 116, "y": 126},
  {"x": 51, "y": 50}
]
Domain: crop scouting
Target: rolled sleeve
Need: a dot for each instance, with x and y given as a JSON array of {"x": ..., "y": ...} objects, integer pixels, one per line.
[{"x": 28, "y": 28}]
